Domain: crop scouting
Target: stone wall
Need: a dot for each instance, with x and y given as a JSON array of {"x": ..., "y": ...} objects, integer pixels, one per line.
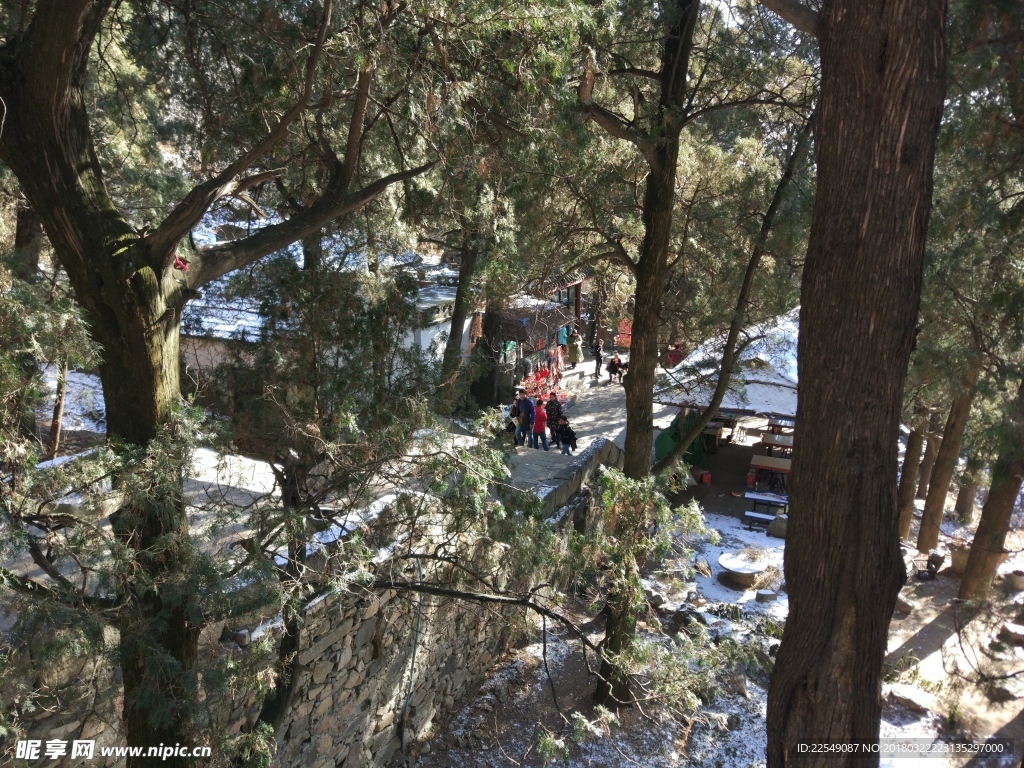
[{"x": 352, "y": 705}]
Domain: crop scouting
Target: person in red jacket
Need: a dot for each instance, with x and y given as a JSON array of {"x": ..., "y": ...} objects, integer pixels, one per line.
[{"x": 540, "y": 424}]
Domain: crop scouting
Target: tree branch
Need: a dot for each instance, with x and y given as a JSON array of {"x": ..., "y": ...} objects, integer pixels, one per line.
[
  {"x": 612, "y": 123},
  {"x": 197, "y": 202},
  {"x": 214, "y": 261},
  {"x": 485, "y": 597},
  {"x": 796, "y": 13},
  {"x": 355, "y": 127}
]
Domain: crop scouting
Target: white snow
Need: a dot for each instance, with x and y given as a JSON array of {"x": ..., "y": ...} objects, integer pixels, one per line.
[{"x": 84, "y": 408}]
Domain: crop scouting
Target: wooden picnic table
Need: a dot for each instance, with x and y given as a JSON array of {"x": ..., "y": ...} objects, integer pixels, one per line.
[
  {"x": 768, "y": 500},
  {"x": 784, "y": 442},
  {"x": 771, "y": 463},
  {"x": 774, "y": 467},
  {"x": 776, "y": 425}
]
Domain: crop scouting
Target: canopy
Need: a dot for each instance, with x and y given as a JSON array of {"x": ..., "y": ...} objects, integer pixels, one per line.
[{"x": 765, "y": 382}]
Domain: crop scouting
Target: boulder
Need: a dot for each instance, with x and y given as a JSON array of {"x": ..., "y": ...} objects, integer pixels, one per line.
[
  {"x": 903, "y": 605},
  {"x": 912, "y": 699},
  {"x": 778, "y": 527},
  {"x": 766, "y": 596}
]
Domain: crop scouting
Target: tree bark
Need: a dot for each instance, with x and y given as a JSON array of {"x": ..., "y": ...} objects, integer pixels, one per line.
[
  {"x": 964, "y": 509},
  {"x": 989, "y": 539},
  {"x": 945, "y": 461},
  {"x": 451, "y": 363},
  {"x": 28, "y": 243},
  {"x": 58, "y": 410},
  {"x": 882, "y": 70},
  {"x": 659, "y": 203},
  {"x": 931, "y": 451},
  {"x": 908, "y": 481},
  {"x": 487, "y": 353}
]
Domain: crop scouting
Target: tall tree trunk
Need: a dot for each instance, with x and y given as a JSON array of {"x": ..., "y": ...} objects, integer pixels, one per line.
[
  {"x": 451, "y": 363},
  {"x": 965, "y": 498},
  {"x": 57, "y": 421},
  {"x": 908, "y": 480},
  {"x": 931, "y": 451},
  {"x": 488, "y": 355},
  {"x": 989, "y": 539},
  {"x": 882, "y": 79},
  {"x": 28, "y": 243},
  {"x": 945, "y": 461},
  {"x": 659, "y": 205}
]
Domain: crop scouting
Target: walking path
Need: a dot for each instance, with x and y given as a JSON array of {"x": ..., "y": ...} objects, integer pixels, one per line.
[{"x": 597, "y": 414}]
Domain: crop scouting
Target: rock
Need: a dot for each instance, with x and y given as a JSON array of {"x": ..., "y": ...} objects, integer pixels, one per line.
[
  {"x": 736, "y": 684},
  {"x": 778, "y": 527},
  {"x": 773, "y": 649},
  {"x": 903, "y": 605},
  {"x": 666, "y": 609},
  {"x": 1012, "y": 633},
  {"x": 242, "y": 637},
  {"x": 733, "y": 722},
  {"x": 656, "y": 599},
  {"x": 425, "y": 749},
  {"x": 911, "y": 698},
  {"x": 766, "y": 596}
]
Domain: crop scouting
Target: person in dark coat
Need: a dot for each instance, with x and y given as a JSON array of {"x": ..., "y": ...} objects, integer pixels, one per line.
[
  {"x": 598, "y": 358},
  {"x": 525, "y": 408},
  {"x": 554, "y": 411},
  {"x": 566, "y": 436}
]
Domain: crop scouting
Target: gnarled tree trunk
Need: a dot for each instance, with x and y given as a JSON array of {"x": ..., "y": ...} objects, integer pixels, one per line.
[
  {"x": 451, "y": 363},
  {"x": 965, "y": 498},
  {"x": 882, "y": 69}
]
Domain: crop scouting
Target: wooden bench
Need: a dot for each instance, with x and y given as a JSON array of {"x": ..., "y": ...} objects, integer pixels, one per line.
[{"x": 752, "y": 518}]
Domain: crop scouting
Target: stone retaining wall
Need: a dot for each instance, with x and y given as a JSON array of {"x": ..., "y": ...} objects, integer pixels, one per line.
[{"x": 352, "y": 704}]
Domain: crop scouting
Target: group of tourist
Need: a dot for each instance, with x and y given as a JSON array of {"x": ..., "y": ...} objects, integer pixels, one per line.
[
  {"x": 616, "y": 368},
  {"x": 531, "y": 422}
]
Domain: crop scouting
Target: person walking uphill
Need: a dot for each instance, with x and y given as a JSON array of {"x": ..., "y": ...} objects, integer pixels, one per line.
[
  {"x": 525, "y": 409},
  {"x": 575, "y": 350},
  {"x": 540, "y": 425}
]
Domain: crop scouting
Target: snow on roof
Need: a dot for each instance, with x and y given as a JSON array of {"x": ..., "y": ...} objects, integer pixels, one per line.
[
  {"x": 766, "y": 383},
  {"x": 223, "y": 318},
  {"x": 432, "y": 296}
]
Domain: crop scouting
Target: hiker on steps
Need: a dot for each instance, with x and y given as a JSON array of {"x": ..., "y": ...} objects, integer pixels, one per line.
[{"x": 540, "y": 425}]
